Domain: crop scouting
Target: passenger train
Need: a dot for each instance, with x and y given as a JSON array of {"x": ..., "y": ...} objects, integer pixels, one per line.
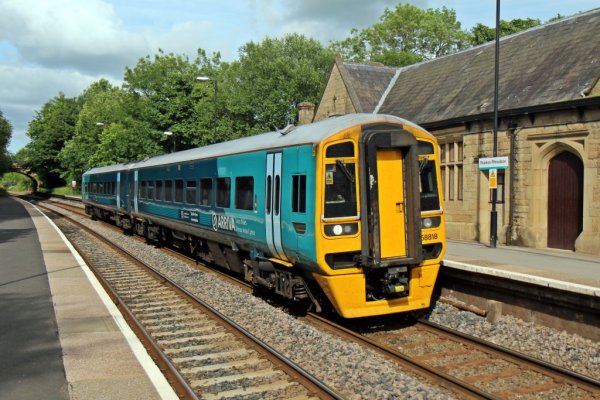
[{"x": 345, "y": 212}]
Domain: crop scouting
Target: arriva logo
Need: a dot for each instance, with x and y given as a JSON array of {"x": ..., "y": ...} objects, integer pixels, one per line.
[{"x": 223, "y": 222}]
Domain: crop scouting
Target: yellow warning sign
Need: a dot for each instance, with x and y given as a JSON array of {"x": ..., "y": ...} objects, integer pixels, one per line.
[{"x": 493, "y": 176}]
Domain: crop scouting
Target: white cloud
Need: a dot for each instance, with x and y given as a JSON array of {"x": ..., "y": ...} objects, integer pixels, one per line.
[
  {"x": 85, "y": 35},
  {"x": 23, "y": 90}
]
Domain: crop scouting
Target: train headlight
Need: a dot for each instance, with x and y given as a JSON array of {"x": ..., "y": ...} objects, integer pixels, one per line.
[
  {"x": 341, "y": 229},
  {"x": 430, "y": 222}
]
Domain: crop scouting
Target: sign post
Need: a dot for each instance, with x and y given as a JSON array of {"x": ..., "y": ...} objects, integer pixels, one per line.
[{"x": 492, "y": 165}]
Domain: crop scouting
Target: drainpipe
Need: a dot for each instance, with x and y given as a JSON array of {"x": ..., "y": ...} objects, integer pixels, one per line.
[{"x": 512, "y": 128}]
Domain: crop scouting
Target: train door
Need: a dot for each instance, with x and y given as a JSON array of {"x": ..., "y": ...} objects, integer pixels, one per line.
[
  {"x": 273, "y": 205},
  {"x": 392, "y": 217},
  {"x": 390, "y": 197}
]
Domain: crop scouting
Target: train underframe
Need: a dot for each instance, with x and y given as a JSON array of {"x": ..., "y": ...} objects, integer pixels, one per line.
[{"x": 376, "y": 292}]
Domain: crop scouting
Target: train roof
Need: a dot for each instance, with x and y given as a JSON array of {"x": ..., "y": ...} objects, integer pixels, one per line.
[{"x": 303, "y": 134}]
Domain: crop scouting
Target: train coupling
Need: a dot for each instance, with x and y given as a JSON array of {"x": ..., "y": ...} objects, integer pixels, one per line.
[{"x": 395, "y": 281}]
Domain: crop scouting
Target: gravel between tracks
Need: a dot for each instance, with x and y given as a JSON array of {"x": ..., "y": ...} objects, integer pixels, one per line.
[{"x": 355, "y": 372}]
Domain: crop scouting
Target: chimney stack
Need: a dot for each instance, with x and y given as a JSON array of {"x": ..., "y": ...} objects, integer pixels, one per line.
[{"x": 306, "y": 113}]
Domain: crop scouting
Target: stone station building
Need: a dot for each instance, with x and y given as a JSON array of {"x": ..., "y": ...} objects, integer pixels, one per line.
[{"x": 549, "y": 127}]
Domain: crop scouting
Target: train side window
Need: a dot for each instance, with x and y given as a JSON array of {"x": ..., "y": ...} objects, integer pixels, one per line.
[
  {"x": 190, "y": 192},
  {"x": 169, "y": 190},
  {"x": 142, "y": 190},
  {"x": 244, "y": 192},
  {"x": 178, "y": 190},
  {"x": 224, "y": 192},
  {"x": 101, "y": 187},
  {"x": 299, "y": 193},
  {"x": 150, "y": 190},
  {"x": 94, "y": 187},
  {"x": 206, "y": 191},
  {"x": 159, "y": 190}
]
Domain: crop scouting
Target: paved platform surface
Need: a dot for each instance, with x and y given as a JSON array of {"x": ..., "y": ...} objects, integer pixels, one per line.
[
  {"x": 60, "y": 335},
  {"x": 548, "y": 267}
]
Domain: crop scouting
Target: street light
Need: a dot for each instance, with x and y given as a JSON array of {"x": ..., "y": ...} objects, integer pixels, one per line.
[
  {"x": 214, "y": 81},
  {"x": 494, "y": 213},
  {"x": 169, "y": 133}
]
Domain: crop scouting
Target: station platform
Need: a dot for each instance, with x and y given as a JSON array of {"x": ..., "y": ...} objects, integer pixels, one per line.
[
  {"x": 61, "y": 337},
  {"x": 559, "y": 269}
]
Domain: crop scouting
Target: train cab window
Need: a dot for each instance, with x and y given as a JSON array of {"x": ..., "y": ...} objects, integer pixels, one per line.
[
  {"x": 299, "y": 193},
  {"x": 244, "y": 192},
  {"x": 340, "y": 181},
  {"x": 206, "y": 191},
  {"x": 340, "y": 190},
  {"x": 169, "y": 190},
  {"x": 190, "y": 192},
  {"x": 224, "y": 192},
  {"x": 158, "y": 194},
  {"x": 178, "y": 191},
  {"x": 345, "y": 149},
  {"x": 428, "y": 182}
]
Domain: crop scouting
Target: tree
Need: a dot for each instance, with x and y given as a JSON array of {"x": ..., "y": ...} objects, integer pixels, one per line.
[
  {"x": 167, "y": 92},
  {"x": 261, "y": 89},
  {"x": 50, "y": 129},
  {"x": 5, "y": 135},
  {"x": 481, "y": 33},
  {"x": 405, "y": 35}
]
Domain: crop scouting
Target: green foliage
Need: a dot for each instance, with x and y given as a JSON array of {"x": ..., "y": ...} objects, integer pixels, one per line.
[
  {"x": 15, "y": 182},
  {"x": 5, "y": 134},
  {"x": 481, "y": 33},
  {"x": 405, "y": 35},
  {"x": 51, "y": 128}
]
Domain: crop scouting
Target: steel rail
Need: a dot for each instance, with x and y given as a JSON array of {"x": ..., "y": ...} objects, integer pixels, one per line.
[
  {"x": 542, "y": 366},
  {"x": 446, "y": 380},
  {"x": 325, "y": 391}
]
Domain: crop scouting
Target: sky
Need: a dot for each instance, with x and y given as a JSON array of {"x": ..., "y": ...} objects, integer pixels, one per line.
[{"x": 53, "y": 46}]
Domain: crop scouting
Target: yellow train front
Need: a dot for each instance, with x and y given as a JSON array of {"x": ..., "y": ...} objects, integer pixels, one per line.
[{"x": 379, "y": 212}]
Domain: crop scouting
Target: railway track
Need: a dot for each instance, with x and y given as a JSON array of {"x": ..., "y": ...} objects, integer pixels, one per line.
[
  {"x": 204, "y": 354},
  {"x": 467, "y": 366}
]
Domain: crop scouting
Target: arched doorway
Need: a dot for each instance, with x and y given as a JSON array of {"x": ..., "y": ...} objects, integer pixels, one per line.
[{"x": 565, "y": 200}]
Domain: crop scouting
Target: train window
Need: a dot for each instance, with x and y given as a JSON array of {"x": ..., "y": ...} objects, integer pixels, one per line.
[
  {"x": 345, "y": 149},
  {"x": 190, "y": 192},
  {"x": 340, "y": 190},
  {"x": 429, "y": 189},
  {"x": 142, "y": 191},
  {"x": 101, "y": 187},
  {"x": 94, "y": 187},
  {"x": 179, "y": 190},
  {"x": 244, "y": 192},
  {"x": 150, "y": 190},
  {"x": 206, "y": 191},
  {"x": 269, "y": 190},
  {"x": 158, "y": 195},
  {"x": 169, "y": 190},
  {"x": 224, "y": 192},
  {"x": 425, "y": 148},
  {"x": 299, "y": 193},
  {"x": 277, "y": 194}
]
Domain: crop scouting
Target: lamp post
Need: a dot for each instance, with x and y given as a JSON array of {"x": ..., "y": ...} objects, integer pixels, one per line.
[
  {"x": 214, "y": 81},
  {"x": 169, "y": 133},
  {"x": 494, "y": 213}
]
